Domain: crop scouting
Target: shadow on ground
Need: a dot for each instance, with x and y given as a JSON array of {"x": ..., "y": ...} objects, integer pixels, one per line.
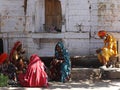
[{"x": 88, "y": 84}]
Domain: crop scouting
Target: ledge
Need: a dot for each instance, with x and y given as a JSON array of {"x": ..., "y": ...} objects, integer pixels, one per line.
[
  {"x": 66, "y": 35},
  {"x": 47, "y": 35},
  {"x": 15, "y": 35}
]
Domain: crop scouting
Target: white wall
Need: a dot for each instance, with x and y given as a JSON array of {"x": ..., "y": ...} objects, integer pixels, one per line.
[
  {"x": 12, "y": 16},
  {"x": 82, "y": 20}
]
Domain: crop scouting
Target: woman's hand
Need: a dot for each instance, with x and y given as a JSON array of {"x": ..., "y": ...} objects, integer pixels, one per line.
[
  {"x": 61, "y": 61},
  {"x": 99, "y": 50},
  {"x": 18, "y": 72}
]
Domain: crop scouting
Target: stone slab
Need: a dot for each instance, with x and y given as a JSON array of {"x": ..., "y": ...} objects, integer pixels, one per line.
[
  {"x": 110, "y": 73},
  {"x": 85, "y": 74}
]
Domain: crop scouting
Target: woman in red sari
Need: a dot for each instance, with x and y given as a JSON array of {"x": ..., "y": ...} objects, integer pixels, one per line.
[
  {"x": 35, "y": 75},
  {"x": 16, "y": 60}
]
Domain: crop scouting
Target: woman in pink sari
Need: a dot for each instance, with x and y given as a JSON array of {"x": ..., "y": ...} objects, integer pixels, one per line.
[{"x": 35, "y": 75}]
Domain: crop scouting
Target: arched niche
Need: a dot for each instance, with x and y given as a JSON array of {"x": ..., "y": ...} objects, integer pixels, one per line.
[
  {"x": 53, "y": 15},
  {"x": 37, "y": 15}
]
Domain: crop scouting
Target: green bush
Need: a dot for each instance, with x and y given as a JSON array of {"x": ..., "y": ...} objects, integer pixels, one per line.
[{"x": 3, "y": 80}]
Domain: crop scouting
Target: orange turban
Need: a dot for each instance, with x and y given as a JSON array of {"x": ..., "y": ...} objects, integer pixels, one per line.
[
  {"x": 102, "y": 33},
  {"x": 3, "y": 57}
]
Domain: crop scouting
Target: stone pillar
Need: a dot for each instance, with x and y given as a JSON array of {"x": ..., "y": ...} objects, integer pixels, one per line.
[
  {"x": 30, "y": 16},
  {"x": 63, "y": 8}
]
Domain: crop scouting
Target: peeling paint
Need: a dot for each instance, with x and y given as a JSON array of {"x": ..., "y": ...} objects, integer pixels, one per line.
[
  {"x": 16, "y": 28},
  {"x": 20, "y": 18},
  {"x": 101, "y": 8},
  {"x": 2, "y": 24},
  {"x": 24, "y": 24},
  {"x": 17, "y": 23},
  {"x": 112, "y": 7},
  {"x": 106, "y": 14}
]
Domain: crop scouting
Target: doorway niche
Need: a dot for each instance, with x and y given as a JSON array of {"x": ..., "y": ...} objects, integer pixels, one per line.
[{"x": 48, "y": 16}]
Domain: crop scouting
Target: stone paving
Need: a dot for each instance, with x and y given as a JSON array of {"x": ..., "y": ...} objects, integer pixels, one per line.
[
  {"x": 84, "y": 83},
  {"x": 81, "y": 85}
]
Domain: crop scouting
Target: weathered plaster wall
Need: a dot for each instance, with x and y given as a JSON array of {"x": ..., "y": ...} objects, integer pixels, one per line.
[
  {"x": 104, "y": 15},
  {"x": 12, "y": 22},
  {"x": 81, "y": 19},
  {"x": 12, "y": 17}
]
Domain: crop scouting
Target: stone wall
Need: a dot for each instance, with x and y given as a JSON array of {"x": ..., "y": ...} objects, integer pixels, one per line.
[{"x": 81, "y": 19}]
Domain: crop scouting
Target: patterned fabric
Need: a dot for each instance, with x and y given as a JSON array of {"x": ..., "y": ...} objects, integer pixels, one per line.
[
  {"x": 17, "y": 56},
  {"x": 16, "y": 60},
  {"x": 60, "y": 69}
]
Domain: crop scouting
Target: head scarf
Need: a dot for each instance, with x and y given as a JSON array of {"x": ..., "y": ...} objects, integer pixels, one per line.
[
  {"x": 34, "y": 57},
  {"x": 102, "y": 33},
  {"x": 60, "y": 44},
  {"x": 16, "y": 45},
  {"x": 65, "y": 53},
  {"x": 3, "y": 57}
]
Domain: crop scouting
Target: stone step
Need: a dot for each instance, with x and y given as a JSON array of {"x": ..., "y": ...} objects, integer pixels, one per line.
[
  {"x": 78, "y": 74},
  {"x": 85, "y": 74},
  {"x": 110, "y": 73},
  {"x": 88, "y": 67}
]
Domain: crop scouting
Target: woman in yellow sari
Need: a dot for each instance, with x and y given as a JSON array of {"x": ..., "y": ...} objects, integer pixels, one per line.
[{"x": 109, "y": 49}]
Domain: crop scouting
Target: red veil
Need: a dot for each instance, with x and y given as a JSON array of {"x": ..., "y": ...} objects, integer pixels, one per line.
[{"x": 16, "y": 45}]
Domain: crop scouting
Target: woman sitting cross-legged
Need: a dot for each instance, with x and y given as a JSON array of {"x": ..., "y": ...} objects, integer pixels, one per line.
[
  {"x": 35, "y": 75},
  {"x": 60, "y": 68}
]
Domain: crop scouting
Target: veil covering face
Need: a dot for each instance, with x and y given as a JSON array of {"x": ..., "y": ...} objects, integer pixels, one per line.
[{"x": 35, "y": 75}]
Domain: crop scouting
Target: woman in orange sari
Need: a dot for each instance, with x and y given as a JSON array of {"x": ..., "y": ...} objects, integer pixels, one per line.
[{"x": 109, "y": 49}]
